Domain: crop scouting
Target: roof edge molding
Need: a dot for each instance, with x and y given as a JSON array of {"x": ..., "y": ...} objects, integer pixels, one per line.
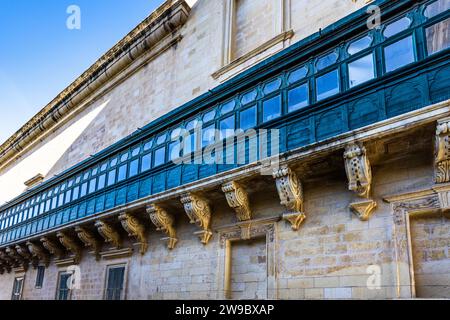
[{"x": 166, "y": 19}]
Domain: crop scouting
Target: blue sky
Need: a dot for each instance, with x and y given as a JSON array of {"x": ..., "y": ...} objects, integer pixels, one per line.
[{"x": 40, "y": 56}]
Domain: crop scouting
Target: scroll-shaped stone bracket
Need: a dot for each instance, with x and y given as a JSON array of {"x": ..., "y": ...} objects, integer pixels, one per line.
[
  {"x": 199, "y": 213},
  {"x": 135, "y": 228},
  {"x": 19, "y": 262},
  {"x": 109, "y": 233},
  {"x": 71, "y": 245},
  {"x": 52, "y": 247},
  {"x": 7, "y": 260},
  {"x": 4, "y": 267},
  {"x": 442, "y": 152},
  {"x": 290, "y": 192},
  {"x": 26, "y": 255},
  {"x": 38, "y": 253},
  {"x": 359, "y": 174},
  {"x": 163, "y": 222},
  {"x": 237, "y": 199},
  {"x": 90, "y": 240}
]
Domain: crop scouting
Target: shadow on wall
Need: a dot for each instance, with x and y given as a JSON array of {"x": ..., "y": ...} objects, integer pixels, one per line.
[{"x": 43, "y": 159}]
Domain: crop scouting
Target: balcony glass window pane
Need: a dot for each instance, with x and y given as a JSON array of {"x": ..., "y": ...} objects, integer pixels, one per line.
[
  {"x": 134, "y": 168},
  {"x": 76, "y": 192},
  {"x": 47, "y": 205},
  {"x": 272, "y": 86},
  {"x": 191, "y": 125},
  {"x": 174, "y": 150},
  {"x": 208, "y": 136},
  {"x": 94, "y": 171},
  {"x": 327, "y": 85},
  {"x": 249, "y": 97},
  {"x": 54, "y": 202},
  {"x": 189, "y": 143},
  {"x": 68, "y": 196},
  {"x": 160, "y": 156},
  {"x": 83, "y": 191},
  {"x": 436, "y": 8},
  {"x": 438, "y": 36},
  {"x": 135, "y": 151},
  {"x": 148, "y": 145},
  {"x": 92, "y": 185},
  {"x": 101, "y": 181},
  {"x": 227, "y": 127},
  {"x": 111, "y": 177},
  {"x": 397, "y": 27},
  {"x": 124, "y": 157},
  {"x": 161, "y": 139},
  {"x": 228, "y": 107},
  {"x": 86, "y": 176},
  {"x": 399, "y": 54},
  {"x": 209, "y": 116},
  {"x": 113, "y": 162},
  {"x": 122, "y": 173},
  {"x": 272, "y": 108},
  {"x": 298, "y": 97},
  {"x": 104, "y": 167},
  {"x": 78, "y": 179},
  {"x": 359, "y": 45},
  {"x": 361, "y": 70},
  {"x": 298, "y": 75},
  {"x": 248, "y": 118},
  {"x": 326, "y": 61},
  {"x": 146, "y": 162},
  {"x": 61, "y": 200}
]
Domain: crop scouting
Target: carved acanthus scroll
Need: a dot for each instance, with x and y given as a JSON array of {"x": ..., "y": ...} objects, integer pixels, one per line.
[
  {"x": 199, "y": 212},
  {"x": 109, "y": 233},
  {"x": 38, "y": 253},
  {"x": 52, "y": 247},
  {"x": 290, "y": 192},
  {"x": 89, "y": 240},
  {"x": 442, "y": 158},
  {"x": 71, "y": 245},
  {"x": 18, "y": 260},
  {"x": 135, "y": 228},
  {"x": 359, "y": 174},
  {"x": 163, "y": 222},
  {"x": 238, "y": 200}
]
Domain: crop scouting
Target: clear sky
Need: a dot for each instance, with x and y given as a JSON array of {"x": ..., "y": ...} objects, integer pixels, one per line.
[{"x": 40, "y": 56}]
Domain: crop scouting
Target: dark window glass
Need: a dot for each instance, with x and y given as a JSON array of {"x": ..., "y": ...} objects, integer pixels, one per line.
[
  {"x": 248, "y": 118},
  {"x": 361, "y": 70},
  {"x": 111, "y": 177},
  {"x": 134, "y": 167},
  {"x": 298, "y": 97},
  {"x": 63, "y": 292},
  {"x": 327, "y": 85},
  {"x": 122, "y": 173},
  {"x": 101, "y": 181},
  {"x": 399, "y": 54},
  {"x": 114, "y": 286},
  {"x": 272, "y": 108},
  {"x": 227, "y": 127},
  {"x": 438, "y": 36},
  {"x": 146, "y": 162},
  {"x": 40, "y": 277},
  {"x": 160, "y": 156}
]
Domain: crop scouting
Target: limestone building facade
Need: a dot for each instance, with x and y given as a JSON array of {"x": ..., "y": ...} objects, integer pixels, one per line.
[{"x": 338, "y": 183}]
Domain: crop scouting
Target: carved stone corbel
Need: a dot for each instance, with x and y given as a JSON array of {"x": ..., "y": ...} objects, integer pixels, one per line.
[
  {"x": 238, "y": 200},
  {"x": 52, "y": 247},
  {"x": 38, "y": 253},
  {"x": 163, "y": 222},
  {"x": 359, "y": 174},
  {"x": 18, "y": 261},
  {"x": 290, "y": 192},
  {"x": 442, "y": 152},
  {"x": 71, "y": 245},
  {"x": 7, "y": 260},
  {"x": 135, "y": 228},
  {"x": 109, "y": 233},
  {"x": 199, "y": 212},
  {"x": 26, "y": 255},
  {"x": 89, "y": 240}
]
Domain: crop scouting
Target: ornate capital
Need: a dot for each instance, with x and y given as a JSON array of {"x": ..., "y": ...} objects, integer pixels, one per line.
[
  {"x": 442, "y": 152},
  {"x": 238, "y": 200},
  {"x": 358, "y": 170},
  {"x": 109, "y": 233},
  {"x": 199, "y": 212},
  {"x": 89, "y": 240},
  {"x": 163, "y": 222},
  {"x": 52, "y": 247},
  {"x": 71, "y": 245},
  {"x": 135, "y": 228},
  {"x": 38, "y": 253},
  {"x": 290, "y": 192}
]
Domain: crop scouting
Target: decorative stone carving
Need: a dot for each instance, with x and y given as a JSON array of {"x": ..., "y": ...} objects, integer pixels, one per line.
[
  {"x": 135, "y": 228},
  {"x": 358, "y": 170},
  {"x": 199, "y": 212},
  {"x": 18, "y": 261},
  {"x": 290, "y": 192},
  {"x": 109, "y": 233},
  {"x": 238, "y": 200},
  {"x": 359, "y": 174},
  {"x": 52, "y": 247},
  {"x": 163, "y": 222},
  {"x": 442, "y": 158},
  {"x": 89, "y": 240},
  {"x": 7, "y": 260},
  {"x": 71, "y": 245},
  {"x": 23, "y": 252},
  {"x": 38, "y": 253}
]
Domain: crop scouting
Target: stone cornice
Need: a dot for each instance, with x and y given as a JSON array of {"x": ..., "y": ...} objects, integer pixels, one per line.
[{"x": 170, "y": 16}]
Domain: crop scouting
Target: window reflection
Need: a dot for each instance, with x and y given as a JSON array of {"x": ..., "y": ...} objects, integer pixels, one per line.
[
  {"x": 326, "y": 61},
  {"x": 227, "y": 127},
  {"x": 298, "y": 97},
  {"x": 436, "y": 8},
  {"x": 359, "y": 45},
  {"x": 438, "y": 36},
  {"x": 272, "y": 108},
  {"x": 160, "y": 156},
  {"x": 248, "y": 118},
  {"x": 361, "y": 70},
  {"x": 146, "y": 162},
  {"x": 327, "y": 85},
  {"x": 397, "y": 27},
  {"x": 399, "y": 54}
]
